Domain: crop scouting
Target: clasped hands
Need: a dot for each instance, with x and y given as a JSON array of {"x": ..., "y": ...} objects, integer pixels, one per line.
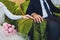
[{"x": 37, "y": 18}]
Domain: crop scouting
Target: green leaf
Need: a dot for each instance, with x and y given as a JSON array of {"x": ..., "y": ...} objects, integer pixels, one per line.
[
  {"x": 24, "y": 6},
  {"x": 24, "y": 26},
  {"x": 39, "y": 29}
]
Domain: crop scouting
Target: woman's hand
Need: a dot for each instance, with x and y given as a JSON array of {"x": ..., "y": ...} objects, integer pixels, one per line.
[{"x": 27, "y": 17}]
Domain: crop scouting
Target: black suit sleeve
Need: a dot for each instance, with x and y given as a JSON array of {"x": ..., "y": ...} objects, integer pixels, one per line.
[
  {"x": 30, "y": 8},
  {"x": 54, "y": 8}
]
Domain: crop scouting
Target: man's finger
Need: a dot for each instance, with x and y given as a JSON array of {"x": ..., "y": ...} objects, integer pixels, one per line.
[
  {"x": 37, "y": 20},
  {"x": 41, "y": 18},
  {"x": 34, "y": 19}
]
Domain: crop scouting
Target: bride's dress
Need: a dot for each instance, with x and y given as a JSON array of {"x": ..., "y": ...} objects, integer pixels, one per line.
[{"x": 4, "y": 11}]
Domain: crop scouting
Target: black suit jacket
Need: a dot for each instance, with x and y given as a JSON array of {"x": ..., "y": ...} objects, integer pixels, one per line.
[{"x": 35, "y": 7}]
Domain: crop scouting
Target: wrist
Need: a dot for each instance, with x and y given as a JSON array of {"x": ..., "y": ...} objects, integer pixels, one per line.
[{"x": 33, "y": 14}]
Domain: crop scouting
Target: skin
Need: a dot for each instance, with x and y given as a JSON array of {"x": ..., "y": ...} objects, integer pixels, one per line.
[
  {"x": 37, "y": 18},
  {"x": 27, "y": 17}
]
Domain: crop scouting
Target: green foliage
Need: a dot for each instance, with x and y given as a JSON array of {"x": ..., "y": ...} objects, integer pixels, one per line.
[
  {"x": 10, "y": 5},
  {"x": 1, "y": 0},
  {"x": 24, "y": 26},
  {"x": 24, "y": 6},
  {"x": 41, "y": 27}
]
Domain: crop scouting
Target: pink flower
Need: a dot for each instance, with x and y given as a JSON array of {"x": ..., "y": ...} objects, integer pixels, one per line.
[
  {"x": 9, "y": 25},
  {"x": 14, "y": 32},
  {"x": 9, "y": 29},
  {"x": 13, "y": 26},
  {"x": 5, "y": 26}
]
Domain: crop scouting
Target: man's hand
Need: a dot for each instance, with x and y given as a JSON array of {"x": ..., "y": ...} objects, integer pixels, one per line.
[{"x": 37, "y": 18}]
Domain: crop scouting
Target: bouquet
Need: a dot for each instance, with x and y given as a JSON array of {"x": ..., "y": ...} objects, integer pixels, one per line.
[{"x": 9, "y": 29}]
